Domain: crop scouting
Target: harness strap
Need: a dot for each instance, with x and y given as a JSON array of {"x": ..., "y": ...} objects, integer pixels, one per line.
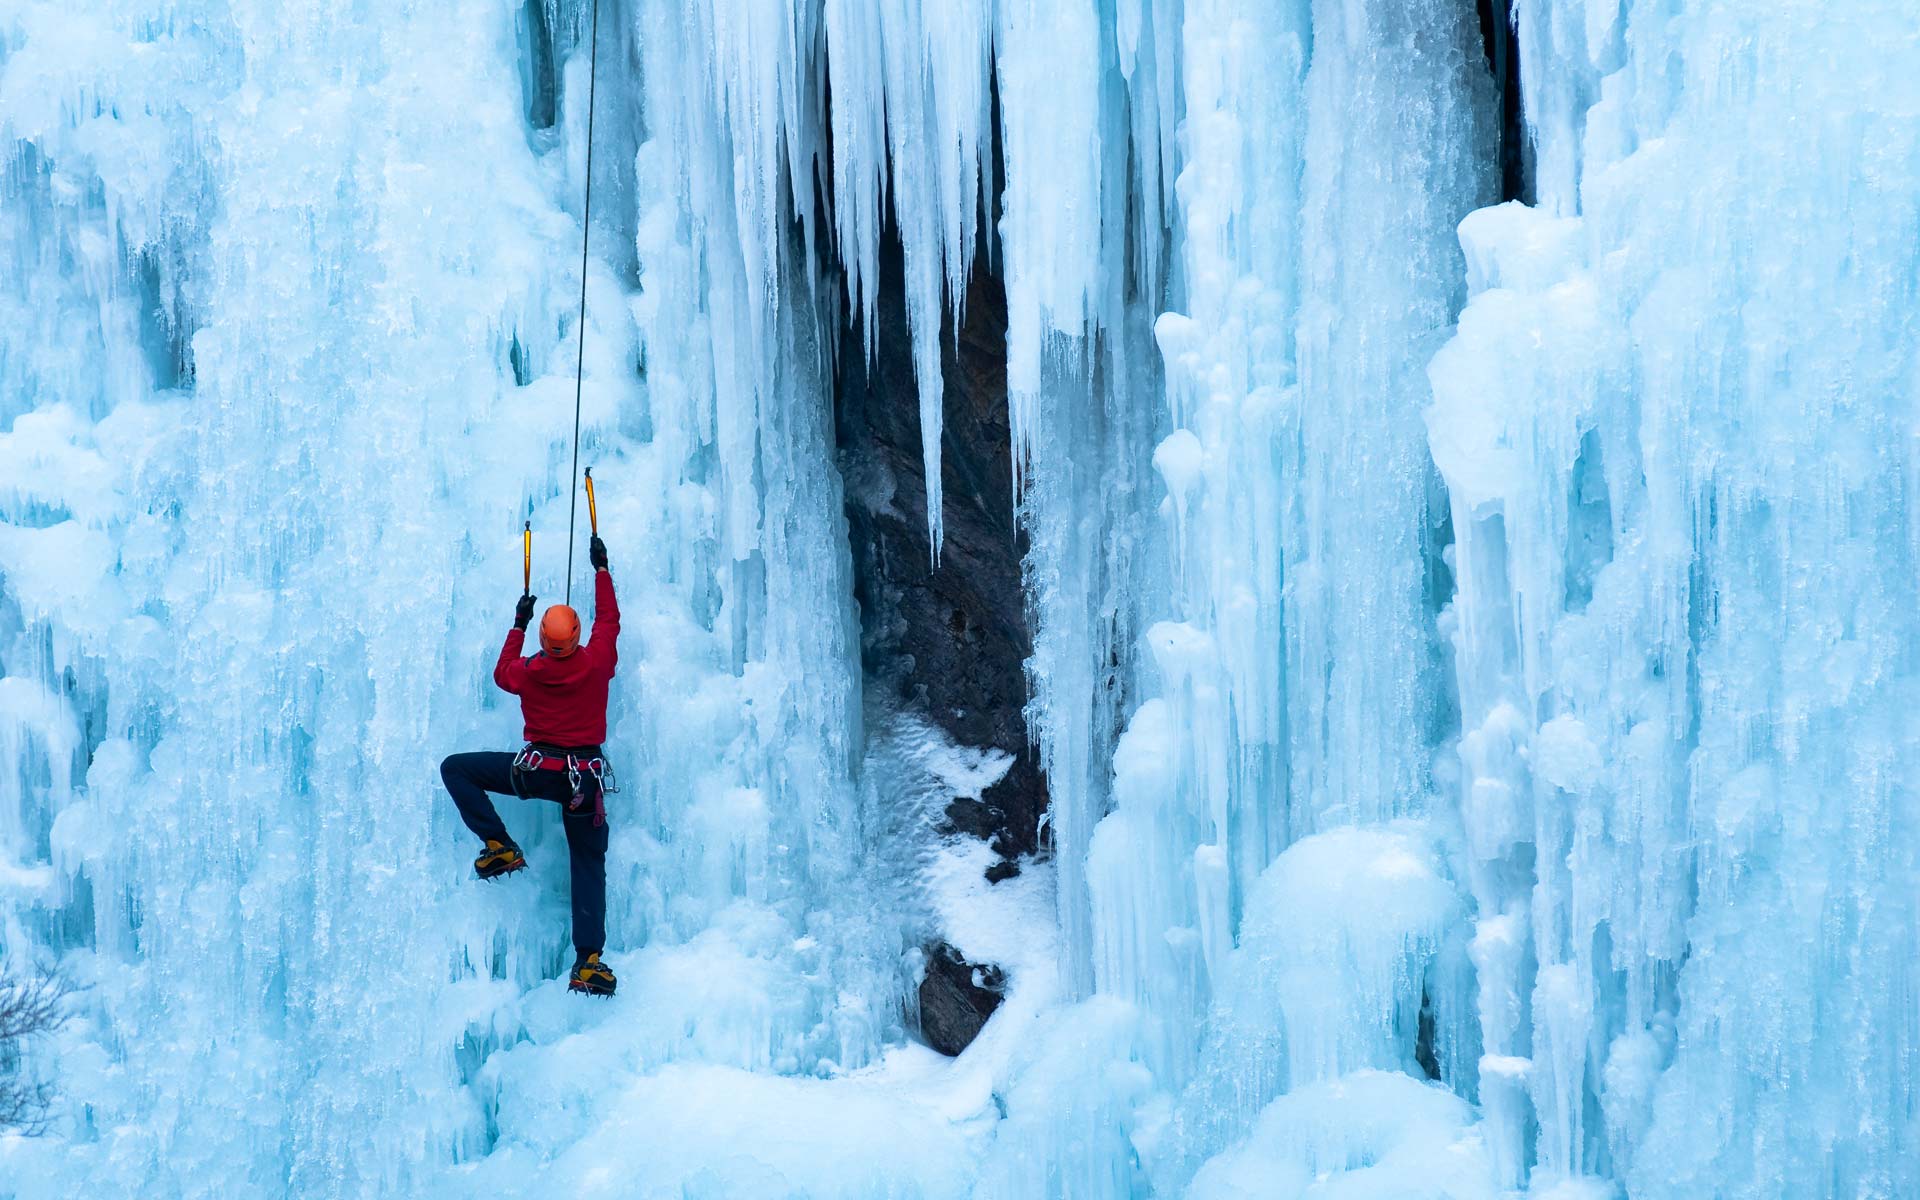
[
  {"x": 547, "y": 762},
  {"x": 532, "y": 759}
]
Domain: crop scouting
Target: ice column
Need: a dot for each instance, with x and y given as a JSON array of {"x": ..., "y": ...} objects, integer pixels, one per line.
[
  {"x": 1675, "y": 429},
  {"x": 1083, "y": 382},
  {"x": 1296, "y": 651},
  {"x": 1387, "y": 178},
  {"x": 732, "y": 322},
  {"x": 1200, "y": 776}
]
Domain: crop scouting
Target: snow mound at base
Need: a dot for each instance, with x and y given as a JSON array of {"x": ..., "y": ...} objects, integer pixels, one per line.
[
  {"x": 1339, "y": 933},
  {"x": 703, "y": 1131},
  {"x": 1372, "y": 1135}
]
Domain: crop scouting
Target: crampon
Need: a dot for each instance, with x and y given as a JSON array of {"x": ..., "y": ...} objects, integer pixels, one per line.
[
  {"x": 592, "y": 977},
  {"x": 499, "y": 859}
]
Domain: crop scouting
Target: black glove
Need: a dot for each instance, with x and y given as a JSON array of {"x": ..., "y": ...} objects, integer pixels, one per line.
[
  {"x": 597, "y": 553},
  {"x": 523, "y": 613}
]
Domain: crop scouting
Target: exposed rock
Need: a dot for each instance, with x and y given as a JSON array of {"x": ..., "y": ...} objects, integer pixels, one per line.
[
  {"x": 1002, "y": 870},
  {"x": 956, "y": 998},
  {"x": 1503, "y": 61}
]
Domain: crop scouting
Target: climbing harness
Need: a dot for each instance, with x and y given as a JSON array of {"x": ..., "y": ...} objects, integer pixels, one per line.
[
  {"x": 586, "y": 230},
  {"x": 532, "y": 757}
]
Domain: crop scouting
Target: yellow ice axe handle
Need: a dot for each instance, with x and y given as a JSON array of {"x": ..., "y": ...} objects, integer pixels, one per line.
[
  {"x": 593, "y": 513},
  {"x": 526, "y": 560}
]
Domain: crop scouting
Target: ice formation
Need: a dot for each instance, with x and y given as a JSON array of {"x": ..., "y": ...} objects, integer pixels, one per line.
[{"x": 1471, "y": 639}]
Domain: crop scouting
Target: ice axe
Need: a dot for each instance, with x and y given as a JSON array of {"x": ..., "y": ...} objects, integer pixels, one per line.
[
  {"x": 526, "y": 560},
  {"x": 593, "y": 519}
]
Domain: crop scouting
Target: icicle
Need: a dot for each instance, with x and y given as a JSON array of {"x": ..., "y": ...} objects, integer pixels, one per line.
[
  {"x": 909, "y": 88},
  {"x": 1053, "y": 129}
]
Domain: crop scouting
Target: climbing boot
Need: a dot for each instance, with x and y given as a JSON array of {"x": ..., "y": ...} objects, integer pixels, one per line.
[
  {"x": 592, "y": 977},
  {"x": 499, "y": 858}
]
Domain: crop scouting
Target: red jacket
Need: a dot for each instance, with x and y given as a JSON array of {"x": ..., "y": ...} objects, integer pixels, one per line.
[{"x": 564, "y": 700}]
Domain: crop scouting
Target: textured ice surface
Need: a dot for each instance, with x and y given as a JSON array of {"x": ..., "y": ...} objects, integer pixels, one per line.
[
  {"x": 1675, "y": 425},
  {"x": 1473, "y": 656}
]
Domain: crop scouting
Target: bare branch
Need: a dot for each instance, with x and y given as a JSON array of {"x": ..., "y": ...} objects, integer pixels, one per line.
[
  {"x": 27, "y": 1009},
  {"x": 31, "y": 1007}
]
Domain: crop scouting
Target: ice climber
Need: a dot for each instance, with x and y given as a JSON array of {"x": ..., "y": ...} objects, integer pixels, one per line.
[{"x": 563, "y": 699}]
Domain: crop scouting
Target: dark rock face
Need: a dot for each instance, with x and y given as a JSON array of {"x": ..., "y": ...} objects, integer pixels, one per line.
[
  {"x": 1503, "y": 60},
  {"x": 537, "y": 78},
  {"x": 956, "y": 998},
  {"x": 949, "y": 641}
]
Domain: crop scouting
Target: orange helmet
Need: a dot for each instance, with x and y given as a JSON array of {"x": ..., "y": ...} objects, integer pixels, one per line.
[{"x": 560, "y": 631}]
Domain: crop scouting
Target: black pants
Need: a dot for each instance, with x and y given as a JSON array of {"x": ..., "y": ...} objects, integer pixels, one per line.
[{"x": 469, "y": 777}]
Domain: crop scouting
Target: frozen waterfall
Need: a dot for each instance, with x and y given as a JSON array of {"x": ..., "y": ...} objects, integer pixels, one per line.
[{"x": 1458, "y": 553}]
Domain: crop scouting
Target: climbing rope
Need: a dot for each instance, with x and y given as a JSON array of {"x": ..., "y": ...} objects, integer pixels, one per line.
[{"x": 586, "y": 229}]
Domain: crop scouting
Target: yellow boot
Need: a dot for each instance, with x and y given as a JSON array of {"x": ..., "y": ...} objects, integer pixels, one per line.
[
  {"x": 499, "y": 859},
  {"x": 592, "y": 976}
]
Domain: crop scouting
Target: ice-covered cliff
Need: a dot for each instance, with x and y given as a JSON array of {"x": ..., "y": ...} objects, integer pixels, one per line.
[{"x": 1464, "y": 651}]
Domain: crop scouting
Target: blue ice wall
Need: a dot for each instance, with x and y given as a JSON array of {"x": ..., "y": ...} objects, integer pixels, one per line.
[{"x": 1473, "y": 641}]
